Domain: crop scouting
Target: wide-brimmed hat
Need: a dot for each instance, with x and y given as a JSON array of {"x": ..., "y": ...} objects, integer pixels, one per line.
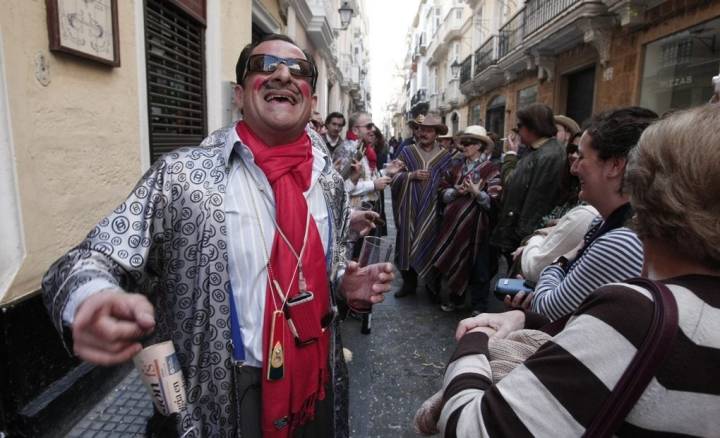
[
  {"x": 569, "y": 124},
  {"x": 476, "y": 132},
  {"x": 430, "y": 120},
  {"x": 445, "y": 136}
]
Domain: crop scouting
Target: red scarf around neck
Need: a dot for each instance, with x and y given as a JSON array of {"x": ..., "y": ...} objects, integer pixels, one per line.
[
  {"x": 371, "y": 156},
  {"x": 290, "y": 401}
]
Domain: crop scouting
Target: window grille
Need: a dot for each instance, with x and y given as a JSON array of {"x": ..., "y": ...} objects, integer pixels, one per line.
[{"x": 175, "y": 63}]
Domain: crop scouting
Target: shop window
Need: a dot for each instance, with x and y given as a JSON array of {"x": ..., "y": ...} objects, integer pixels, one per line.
[
  {"x": 495, "y": 116},
  {"x": 678, "y": 69},
  {"x": 527, "y": 96}
]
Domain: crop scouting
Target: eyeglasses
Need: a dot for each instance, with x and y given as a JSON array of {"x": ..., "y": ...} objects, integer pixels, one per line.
[
  {"x": 366, "y": 126},
  {"x": 265, "y": 63}
]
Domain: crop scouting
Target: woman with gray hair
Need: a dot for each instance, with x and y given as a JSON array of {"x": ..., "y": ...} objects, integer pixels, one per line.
[{"x": 672, "y": 179}]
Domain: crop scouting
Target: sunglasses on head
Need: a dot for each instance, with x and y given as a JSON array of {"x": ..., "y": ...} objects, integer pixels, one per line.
[{"x": 265, "y": 63}]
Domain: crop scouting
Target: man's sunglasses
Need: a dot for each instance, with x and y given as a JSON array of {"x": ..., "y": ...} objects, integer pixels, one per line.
[
  {"x": 468, "y": 142},
  {"x": 265, "y": 63},
  {"x": 367, "y": 125}
]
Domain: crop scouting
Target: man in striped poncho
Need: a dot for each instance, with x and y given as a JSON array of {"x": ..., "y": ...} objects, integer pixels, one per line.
[{"x": 414, "y": 194}]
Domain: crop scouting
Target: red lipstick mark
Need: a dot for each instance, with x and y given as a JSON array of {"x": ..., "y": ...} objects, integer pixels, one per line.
[
  {"x": 258, "y": 84},
  {"x": 305, "y": 89}
]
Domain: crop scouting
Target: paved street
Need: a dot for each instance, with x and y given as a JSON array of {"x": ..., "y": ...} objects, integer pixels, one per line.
[{"x": 392, "y": 371}]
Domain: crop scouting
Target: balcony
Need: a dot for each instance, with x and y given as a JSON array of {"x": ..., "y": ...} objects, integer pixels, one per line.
[
  {"x": 419, "y": 97},
  {"x": 511, "y": 34},
  {"x": 540, "y": 12},
  {"x": 466, "y": 70},
  {"x": 487, "y": 54},
  {"x": 534, "y": 35},
  {"x": 450, "y": 28},
  {"x": 316, "y": 17}
]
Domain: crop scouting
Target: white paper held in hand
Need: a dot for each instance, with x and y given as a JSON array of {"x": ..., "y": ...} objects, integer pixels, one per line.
[{"x": 160, "y": 371}]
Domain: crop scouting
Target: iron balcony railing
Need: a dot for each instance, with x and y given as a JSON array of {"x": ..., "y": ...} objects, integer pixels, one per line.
[
  {"x": 466, "y": 70},
  {"x": 540, "y": 12},
  {"x": 511, "y": 34},
  {"x": 486, "y": 55},
  {"x": 419, "y": 96}
]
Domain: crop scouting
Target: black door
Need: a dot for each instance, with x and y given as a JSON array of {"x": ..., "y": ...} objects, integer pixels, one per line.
[{"x": 580, "y": 94}]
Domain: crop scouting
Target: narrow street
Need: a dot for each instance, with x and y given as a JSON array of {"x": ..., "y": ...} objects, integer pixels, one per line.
[{"x": 401, "y": 362}]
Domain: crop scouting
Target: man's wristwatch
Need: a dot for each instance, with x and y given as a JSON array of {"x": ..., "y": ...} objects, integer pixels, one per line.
[{"x": 561, "y": 261}]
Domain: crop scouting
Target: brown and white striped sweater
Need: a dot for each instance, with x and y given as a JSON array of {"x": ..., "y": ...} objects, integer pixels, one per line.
[{"x": 558, "y": 390}]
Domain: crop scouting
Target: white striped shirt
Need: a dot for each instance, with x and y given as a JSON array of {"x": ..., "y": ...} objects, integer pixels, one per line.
[
  {"x": 557, "y": 392},
  {"x": 615, "y": 256}
]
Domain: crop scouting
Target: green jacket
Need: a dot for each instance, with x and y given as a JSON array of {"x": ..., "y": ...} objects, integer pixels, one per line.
[{"x": 532, "y": 188}]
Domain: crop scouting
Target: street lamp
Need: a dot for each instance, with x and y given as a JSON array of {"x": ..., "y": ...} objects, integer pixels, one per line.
[
  {"x": 346, "y": 13},
  {"x": 455, "y": 68}
]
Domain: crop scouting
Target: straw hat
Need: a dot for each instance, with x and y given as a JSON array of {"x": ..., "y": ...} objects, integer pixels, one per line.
[
  {"x": 569, "y": 124},
  {"x": 476, "y": 132},
  {"x": 431, "y": 120}
]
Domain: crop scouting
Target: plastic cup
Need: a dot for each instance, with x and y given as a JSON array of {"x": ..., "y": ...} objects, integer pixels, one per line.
[{"x": 376, "y": 250}]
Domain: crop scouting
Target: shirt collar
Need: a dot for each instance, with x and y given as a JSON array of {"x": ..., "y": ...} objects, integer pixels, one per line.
[
  {"x": 321, "y": 161},
  {"x": 539, "y": 142}
]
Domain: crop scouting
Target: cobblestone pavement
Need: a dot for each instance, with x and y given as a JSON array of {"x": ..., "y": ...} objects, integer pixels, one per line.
[
  {"x": 392, "y": 371},
  {"x": 401, "y": 362},
  {"x": 122, "y": 413}
]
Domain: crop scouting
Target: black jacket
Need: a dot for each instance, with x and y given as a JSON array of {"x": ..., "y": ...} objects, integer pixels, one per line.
[{"x": 532, "y": 188}]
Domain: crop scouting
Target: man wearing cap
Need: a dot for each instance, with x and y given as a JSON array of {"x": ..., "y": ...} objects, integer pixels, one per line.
[
  {"x": 414, "y": 193},
  {"x": 469, "y": 189},
  {"x": 235, "y": 251},
  {"x": 567, "y": 129}
]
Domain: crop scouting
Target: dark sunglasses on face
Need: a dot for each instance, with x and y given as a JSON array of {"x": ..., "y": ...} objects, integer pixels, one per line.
[
  {"x": 468, "y": 143},
  {"x": 265, "y": 63},
  {"x": 366, "y": 126}
]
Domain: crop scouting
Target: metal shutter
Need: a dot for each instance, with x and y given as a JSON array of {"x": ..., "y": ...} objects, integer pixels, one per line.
[{"x": 175, "y": 60}]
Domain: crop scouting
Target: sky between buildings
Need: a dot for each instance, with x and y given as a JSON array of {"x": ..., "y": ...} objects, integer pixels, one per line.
[{"x": 389, "y": 21}]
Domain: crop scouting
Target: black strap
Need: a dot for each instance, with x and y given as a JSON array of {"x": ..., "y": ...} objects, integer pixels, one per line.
[{"x": 652, "y": 353}]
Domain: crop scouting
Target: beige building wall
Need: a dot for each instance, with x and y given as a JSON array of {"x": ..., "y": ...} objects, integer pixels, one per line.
[{"x": 77, "y": 139}]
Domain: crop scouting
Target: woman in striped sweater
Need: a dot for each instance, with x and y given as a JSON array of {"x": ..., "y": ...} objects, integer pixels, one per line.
[
  {"x": 672, "y": 180},
  {"x": 609, "y": 251}
]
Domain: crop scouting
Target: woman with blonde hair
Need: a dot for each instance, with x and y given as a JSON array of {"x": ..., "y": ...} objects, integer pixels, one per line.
[{"x": 672, "y": 179}]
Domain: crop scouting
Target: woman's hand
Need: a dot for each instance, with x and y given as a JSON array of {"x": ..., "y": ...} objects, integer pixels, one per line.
[{"x": 496, "y": 325}]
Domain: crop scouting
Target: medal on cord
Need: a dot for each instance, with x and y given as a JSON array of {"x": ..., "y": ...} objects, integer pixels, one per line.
[{"x": 276, "y": 361}]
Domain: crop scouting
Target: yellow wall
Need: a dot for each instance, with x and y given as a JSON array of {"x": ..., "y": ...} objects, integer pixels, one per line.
[
  {"x": 76, "y": 140},
  {"x": 236, "y": 32}
]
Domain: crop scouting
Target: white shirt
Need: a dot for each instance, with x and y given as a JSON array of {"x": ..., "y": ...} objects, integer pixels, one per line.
[{"x": 248, "y": 276}]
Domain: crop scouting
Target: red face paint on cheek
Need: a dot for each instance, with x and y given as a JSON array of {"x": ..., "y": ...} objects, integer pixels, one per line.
[
  {"x": 305, "y": 89},
  {"x": 258, "y": 84}
]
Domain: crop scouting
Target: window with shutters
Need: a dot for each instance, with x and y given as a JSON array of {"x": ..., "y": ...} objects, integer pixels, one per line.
[{"x": 175, "y": 60}]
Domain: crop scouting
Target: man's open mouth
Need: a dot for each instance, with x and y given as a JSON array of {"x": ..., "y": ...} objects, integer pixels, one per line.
[{"x": 274, "y": 97}]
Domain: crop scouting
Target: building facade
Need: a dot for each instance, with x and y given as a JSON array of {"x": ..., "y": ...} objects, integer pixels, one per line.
[
  {"x": 78, "y": 131},
  {"x": 578, "y": 56}
]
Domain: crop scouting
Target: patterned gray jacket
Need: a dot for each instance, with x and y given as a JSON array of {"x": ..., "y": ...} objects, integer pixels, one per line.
[{"x": 168, "y": 241}]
